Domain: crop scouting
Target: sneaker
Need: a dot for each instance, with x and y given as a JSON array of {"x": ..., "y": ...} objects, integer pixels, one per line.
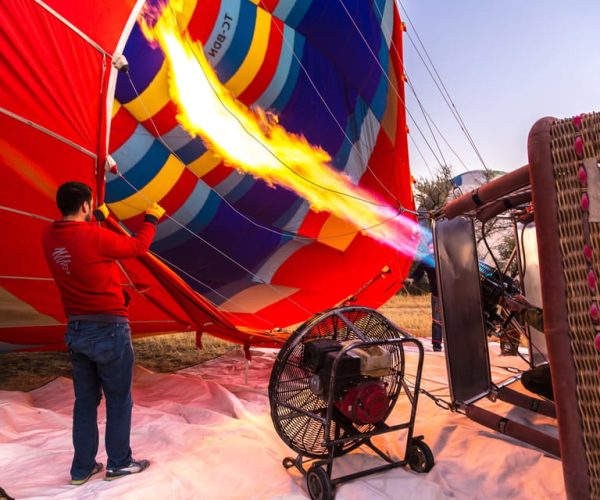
[
  {"x": 97, "y": 468},
  {"x": 437, "y": 347},
  {"x": 135, "y": 467}
]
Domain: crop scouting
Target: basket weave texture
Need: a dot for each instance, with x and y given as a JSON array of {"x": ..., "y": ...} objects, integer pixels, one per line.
[{"x": 575, "y": 230}]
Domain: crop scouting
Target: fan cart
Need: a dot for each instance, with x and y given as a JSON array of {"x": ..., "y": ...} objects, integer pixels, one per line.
[{"x": 333, "y": 385}]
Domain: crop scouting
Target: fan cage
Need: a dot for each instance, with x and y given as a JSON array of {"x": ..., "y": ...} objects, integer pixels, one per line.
[{"x": 297, "y": 413}]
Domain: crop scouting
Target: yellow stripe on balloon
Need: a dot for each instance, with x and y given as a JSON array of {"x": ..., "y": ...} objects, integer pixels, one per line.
[
  {"x": 115, "y": 108},
  {"x": 257, "y": 297},
  {"x": 337, "y": 233},
  {"x": 204, "y": 164},
  {"x": 390, "y": 117},
  {"x": 255, "y": 57},
  {"x": 154, "y": 191},
  {"x": 153, "y": 98},
  {"x": 156, "y": 94}
]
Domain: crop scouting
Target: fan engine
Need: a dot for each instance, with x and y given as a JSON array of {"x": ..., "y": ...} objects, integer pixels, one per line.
[{"x": 359, "y": 392}]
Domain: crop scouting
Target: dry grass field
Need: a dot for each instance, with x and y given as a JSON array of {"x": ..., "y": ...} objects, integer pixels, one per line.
[
  {"x": 410, "y": 312},
  {"x": 24, "y": 371}
]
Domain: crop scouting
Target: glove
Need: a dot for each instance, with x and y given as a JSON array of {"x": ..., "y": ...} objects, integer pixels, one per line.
[
  {"x": 101, "y": 213},
  {"x": 154, "y": 212}
]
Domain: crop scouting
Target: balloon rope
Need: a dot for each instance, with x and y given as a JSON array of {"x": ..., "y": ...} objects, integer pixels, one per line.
[
  {"x": 443, "y": 91},
  {"x": 244, "y": 216},
  {"x": 306, "y": 179},
  {"x": 384, "y": 73},
  {"x": 228, "y": 257},
  {"x": 426, "y": 115},
  {"x": 428, "y": 119},
  {"x": 365, "y": 162}
]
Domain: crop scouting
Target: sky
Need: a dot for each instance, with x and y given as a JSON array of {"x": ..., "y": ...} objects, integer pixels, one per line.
[{"x": 505, "y": 64}]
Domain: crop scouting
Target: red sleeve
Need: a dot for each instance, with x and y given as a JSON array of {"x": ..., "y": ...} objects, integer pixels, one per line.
[{"x": 119, "y": 246}]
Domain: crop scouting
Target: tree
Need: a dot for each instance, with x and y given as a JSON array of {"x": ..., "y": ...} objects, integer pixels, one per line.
[
  {"x": 434, "y": 193},
  {"x": 431, "y": 194}
]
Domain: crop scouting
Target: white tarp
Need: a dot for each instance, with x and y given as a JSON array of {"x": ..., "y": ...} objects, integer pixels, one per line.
[{"x": 209, "y": 435}]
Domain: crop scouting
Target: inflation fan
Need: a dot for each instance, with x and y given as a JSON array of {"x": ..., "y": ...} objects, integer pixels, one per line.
[{"x": 333, "y": 386}]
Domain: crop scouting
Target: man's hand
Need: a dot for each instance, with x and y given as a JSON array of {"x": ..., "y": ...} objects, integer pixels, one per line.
[
  {"x": 101, "y": 213},
  {"x": 154, "y": 212}
]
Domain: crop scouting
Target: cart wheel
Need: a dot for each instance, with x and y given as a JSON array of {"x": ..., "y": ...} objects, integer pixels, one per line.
[
  {"x": 420, "y": 456},
  {"x": 288, "y": 462},
  {"x": 318, "y": 483}
]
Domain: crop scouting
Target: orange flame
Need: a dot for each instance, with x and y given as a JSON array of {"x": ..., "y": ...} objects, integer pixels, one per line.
[{"x": 251, "y": 140}]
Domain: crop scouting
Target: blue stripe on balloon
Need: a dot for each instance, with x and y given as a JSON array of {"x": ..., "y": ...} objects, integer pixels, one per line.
[
  {"x": 176, "y": 138},
  {"x": 377, "y": 106},
  {"x": 295, "y": 222},
  {"x": 191, "y": 151},
  {"x": 134, "y": 149},
  {"x": 281, "y": 101},
  {"x": 240, "y": 189},
  {"x": 269, "y": 268},
  {"x": 379, "y": 100},
  {"x": 144, "y": 63},
  {"x": 234, "y": 186},
  {"x": 242, "y": 40},
  {"x": 219, "y": 40},
  {"x": 387, "y": 24},
  {"x": 379, "y": 8},
  {"x": 287, "y": 215},
  {"x": 358, "y": 159},
  {"x": 197, "y": 224},
  {"x": 139, "y": 174},
  {"x": 286, "y": 60},
  {"x": 283, "y": 9},
  {"x": 229, "y": 183},
  {"x": 355, "y": 125},
  {"x": 186, "y": 212},
  {"x": 353, "y": 129},
  {"x": 294, "y": 18}
]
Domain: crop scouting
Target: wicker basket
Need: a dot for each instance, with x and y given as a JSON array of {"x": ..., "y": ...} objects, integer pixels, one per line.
[{"x": 562, "y": 156}]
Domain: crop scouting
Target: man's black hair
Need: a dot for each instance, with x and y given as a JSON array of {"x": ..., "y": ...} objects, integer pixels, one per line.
[{"x": 71, "y": 195}]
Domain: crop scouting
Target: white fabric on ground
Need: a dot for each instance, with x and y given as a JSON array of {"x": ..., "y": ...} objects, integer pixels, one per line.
[{"x": 209, "y": 435}]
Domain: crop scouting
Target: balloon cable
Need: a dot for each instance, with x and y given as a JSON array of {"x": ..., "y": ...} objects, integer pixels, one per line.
[
  {"x": 441, "y": 87},
  {"x": 228, "y": 257}
]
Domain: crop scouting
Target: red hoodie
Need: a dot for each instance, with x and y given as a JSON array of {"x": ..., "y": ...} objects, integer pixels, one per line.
[{"x": 81, "y": 257}]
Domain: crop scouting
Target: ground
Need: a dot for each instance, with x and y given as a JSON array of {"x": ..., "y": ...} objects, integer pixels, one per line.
[{"x": 25, "y": 371}]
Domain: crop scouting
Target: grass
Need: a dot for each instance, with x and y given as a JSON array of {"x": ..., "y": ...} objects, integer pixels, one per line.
[
  {"x": 24, "y": 371},
  {"x": 410, "y": 312}
]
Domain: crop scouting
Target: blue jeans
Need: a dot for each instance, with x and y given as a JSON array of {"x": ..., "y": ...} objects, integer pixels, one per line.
[{"x": 102, "y": 359}]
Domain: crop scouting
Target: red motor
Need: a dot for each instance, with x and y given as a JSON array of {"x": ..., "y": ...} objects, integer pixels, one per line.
[{"x": 366, "y": 403}]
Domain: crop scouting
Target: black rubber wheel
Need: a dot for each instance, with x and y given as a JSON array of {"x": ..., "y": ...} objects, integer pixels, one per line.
[
  {"x": 420, "y": 456},
  {"x": 318, "y": 483},
  {"x": 288, "y": 462}
]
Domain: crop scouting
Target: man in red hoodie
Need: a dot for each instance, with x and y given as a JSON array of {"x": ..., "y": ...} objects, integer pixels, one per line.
[{"x": 82, "y": 257}]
